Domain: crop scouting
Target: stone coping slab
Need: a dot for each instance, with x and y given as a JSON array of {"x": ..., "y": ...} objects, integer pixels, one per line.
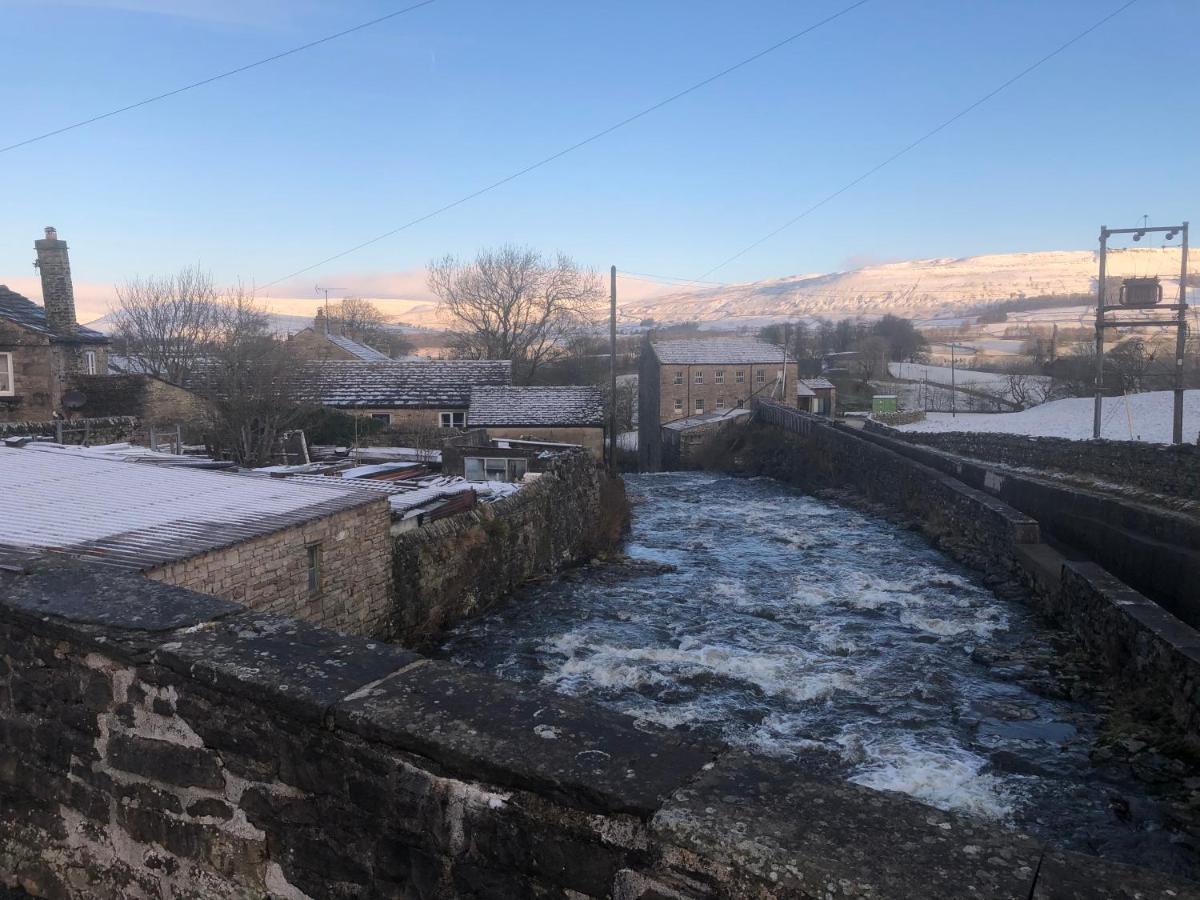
[
  {"x": 301, "y": 668},
  {"x": 823, "y": 838},
  {"x": 518, "y": 736}
]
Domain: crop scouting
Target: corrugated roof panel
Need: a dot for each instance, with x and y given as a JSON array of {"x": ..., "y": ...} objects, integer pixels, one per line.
[{"x": 141, "y": 516}]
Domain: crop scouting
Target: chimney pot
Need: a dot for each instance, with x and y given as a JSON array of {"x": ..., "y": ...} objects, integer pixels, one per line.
[{"x": 51, "y": 233}]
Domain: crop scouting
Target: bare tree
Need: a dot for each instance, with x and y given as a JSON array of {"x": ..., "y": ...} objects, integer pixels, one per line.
[
  {"x": 166, "y": 322},
  {"x": 248, "y": 382},
  {"x": 513, "y": 303},
  {"x": 872, "y": 357}
]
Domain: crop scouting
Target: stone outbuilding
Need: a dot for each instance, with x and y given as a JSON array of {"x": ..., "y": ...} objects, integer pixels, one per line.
[
  {"x": 315, "y": 552},
  {"x": 554, "y": 414},
  {"x": 426, "y": 394},
  {"x": 41, "y": 347},
  {"x": 320, "y": 341}
]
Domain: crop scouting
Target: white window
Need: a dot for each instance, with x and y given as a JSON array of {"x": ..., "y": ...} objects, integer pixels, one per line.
[
  {"x": 719, "y": 377},
  {"x": 678, "y": 405},
  {"x": 720, "y": 403},
  {"x": 679, "y": 377},
  {"x": 452, "y": 419},
  {"x": 89, "y": 362},
  {"x": 6, "y": 375},
  {"x": 478, "y": 468},
  {"x": 739, "y": 376},
  {"x": 699, "y": 377},
  {"x": 699, "y": 404},
  {"x": 760, "y": 376}
]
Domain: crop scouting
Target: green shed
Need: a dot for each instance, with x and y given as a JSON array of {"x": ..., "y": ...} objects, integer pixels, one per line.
[{"x": 883, "y": 403}]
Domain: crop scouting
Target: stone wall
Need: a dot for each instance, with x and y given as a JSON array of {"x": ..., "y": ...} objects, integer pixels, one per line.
[
  {"x": 270, "y": 573},
  {"x": 150, "y": 400},
  {"x": 1161, "y": 468},
  {"x": 457, "y": 567},
  {"x": 164, "y": 744},
  {"x": 105, "y": 430}
]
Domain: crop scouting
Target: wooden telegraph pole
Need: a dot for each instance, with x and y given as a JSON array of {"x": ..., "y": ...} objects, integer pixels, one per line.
[{"x": 612, "y": 370}]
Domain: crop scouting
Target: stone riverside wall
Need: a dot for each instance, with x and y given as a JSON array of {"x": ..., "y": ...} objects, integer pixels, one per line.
[
  {"x": 270, "y": 573},
  {"x": 159, "y": 743},
  {"x": 457, "y": 567},
  {"x": 1139, "y": 640},
  {"x": 1161, "y": 468},
  {"x": 105, "y": 430}
]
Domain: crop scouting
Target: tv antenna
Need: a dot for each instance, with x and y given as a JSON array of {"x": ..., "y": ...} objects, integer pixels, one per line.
[{"x": 325, "y": 291}]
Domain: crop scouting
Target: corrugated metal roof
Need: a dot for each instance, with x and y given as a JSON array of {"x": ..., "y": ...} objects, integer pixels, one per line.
[
  {"x": 705, "y": 419},
  {"x": 138, "y": 516},
  {"x": 536, "y": 406},
  {"x": 718, "y": 350},
  {"x": 360, "y": 351},
  {"x": 24, "y": 312}
]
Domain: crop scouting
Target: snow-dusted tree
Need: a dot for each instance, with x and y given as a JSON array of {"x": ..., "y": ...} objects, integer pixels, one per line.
[{"x": 513, "y": 303}]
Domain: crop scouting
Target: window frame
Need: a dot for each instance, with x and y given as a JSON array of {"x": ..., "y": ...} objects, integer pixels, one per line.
[
  {"x": 678, "y": 404},
  {"x": 6, "y": 369},
  {"x": 678, "y": 377},
  {"x": 760, "y": 376},
  {"x": 720, "y": 403},
  {"x": 719, "y": 376},
  {"x": 386, "y": 418},
  {"x": 89, "y": 362},
  {"x": 698, "y": 407},
  {"x": 739, "y": 376},
  {"x": 699, "y": 377},
  {"x": 452, "y": 414},
  {"x": 314, "y": 566}
]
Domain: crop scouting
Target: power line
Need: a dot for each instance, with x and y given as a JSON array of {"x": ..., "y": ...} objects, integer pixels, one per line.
[
  {"x": 211, "y": 79},
  {"x": 573, "y": 147},
  {"x": 926, "y": 136}
]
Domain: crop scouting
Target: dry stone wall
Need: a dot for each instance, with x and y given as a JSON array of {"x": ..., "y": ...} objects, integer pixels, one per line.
[
  {"x": 159, "y": 743},
  {"x": 457, "y": 567}
]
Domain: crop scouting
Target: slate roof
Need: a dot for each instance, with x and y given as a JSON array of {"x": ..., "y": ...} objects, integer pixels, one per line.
[
  {"x": 24, "y": 312},
  {"x": 536, "y": 406},
  {"x": 431, "y": 384},
  {"x": 719, "y": 350},
  {"x": 818, "y": 383},
  {"x": 359, "y": 351},
  {"x": 138, "y": 516}
]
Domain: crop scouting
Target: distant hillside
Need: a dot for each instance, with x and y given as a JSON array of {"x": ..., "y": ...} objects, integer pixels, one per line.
[
  {"x": 923, "y": 288},
  {"x": 280, "y": 323}
]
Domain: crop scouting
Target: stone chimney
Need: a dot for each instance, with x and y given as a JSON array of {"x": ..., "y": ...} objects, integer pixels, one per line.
[
  {"x": 58, "y": 296},
  {"x": 320, "y": 323}
]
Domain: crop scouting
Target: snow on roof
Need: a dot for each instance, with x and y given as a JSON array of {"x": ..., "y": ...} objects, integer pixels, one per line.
[
  {"x": 706, "y": 419},
  {"x": 24, "y": 312},
  {"x": 721, "y": 350},
  {"x": 1140, "y": 417},
  {"x": 423, "y": 385},
  {"x": 359, "y": 351},
  {"x": 139, "y": 516},
  {"x": 818, "y": 384},
  {"x": 803, "y": 390},
  {"x": 536, "y": 406}
]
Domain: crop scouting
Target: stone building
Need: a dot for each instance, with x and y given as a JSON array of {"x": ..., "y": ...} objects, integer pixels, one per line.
[
  {"x": 41, "y": 347},
  {"x": 321, "y": 341},
  {"x": 689, "y": 378},
  {"x": 405, "y": 395},
  {"x": 315, "y": 552},
  {"x": 555, "y": 414}
]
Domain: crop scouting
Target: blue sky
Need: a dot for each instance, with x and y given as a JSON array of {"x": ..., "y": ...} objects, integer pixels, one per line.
[{"x": 269, "y": 171}]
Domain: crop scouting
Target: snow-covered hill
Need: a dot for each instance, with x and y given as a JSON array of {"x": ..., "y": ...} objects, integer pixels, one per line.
[{"x": 923, "y": 288}]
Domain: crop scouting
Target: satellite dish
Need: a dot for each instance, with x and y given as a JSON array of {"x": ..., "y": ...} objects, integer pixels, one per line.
[{"x": 74, "y": 400}]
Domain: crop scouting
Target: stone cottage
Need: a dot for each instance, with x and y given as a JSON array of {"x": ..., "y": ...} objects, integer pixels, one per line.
[
  {"x": 320, "y": 341},
  {"x": 41, "y": 347},
  {"x": 564, "y": 414}
]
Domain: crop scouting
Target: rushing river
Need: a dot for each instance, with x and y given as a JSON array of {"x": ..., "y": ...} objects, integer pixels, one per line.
[{"x": 801, "y": 629}]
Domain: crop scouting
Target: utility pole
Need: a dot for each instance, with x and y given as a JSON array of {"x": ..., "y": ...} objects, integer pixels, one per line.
[
  {"x": 325, "y": 290},
  {"x": 953, "y": 389},
  {"x": 612, "y": 370},
  {"x": 1100, "y": 295},
  {"x": 1180, "y": 338},
  {"x": 787, "y": 329}
]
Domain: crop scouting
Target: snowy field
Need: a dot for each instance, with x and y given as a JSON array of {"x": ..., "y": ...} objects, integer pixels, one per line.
[
  {"x": 1143, "y": 417},
  {"x": 968, "y": 378}
]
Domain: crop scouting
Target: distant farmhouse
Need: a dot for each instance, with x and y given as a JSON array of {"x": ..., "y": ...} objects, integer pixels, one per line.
[
  {"x": 424, "y": 394},
  {"x": 317, "y": 552},
  {"x": 695, "y": 378},
  {"x": 321, "y": 341},
  {"x": 564, "y": 415},
  {"x": 41, "y": 347}
]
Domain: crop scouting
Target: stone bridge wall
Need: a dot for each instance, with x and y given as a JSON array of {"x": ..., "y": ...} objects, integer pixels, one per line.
[
  {"x": 1161, "y": 468},
  {"x": 457, "y": 567},
  {"x": 159, "y": 743}
]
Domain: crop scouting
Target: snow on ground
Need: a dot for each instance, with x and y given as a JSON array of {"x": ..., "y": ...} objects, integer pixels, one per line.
[
  {"x": 1149, "y": 413},
  {"x": 968, "y": 378}
]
